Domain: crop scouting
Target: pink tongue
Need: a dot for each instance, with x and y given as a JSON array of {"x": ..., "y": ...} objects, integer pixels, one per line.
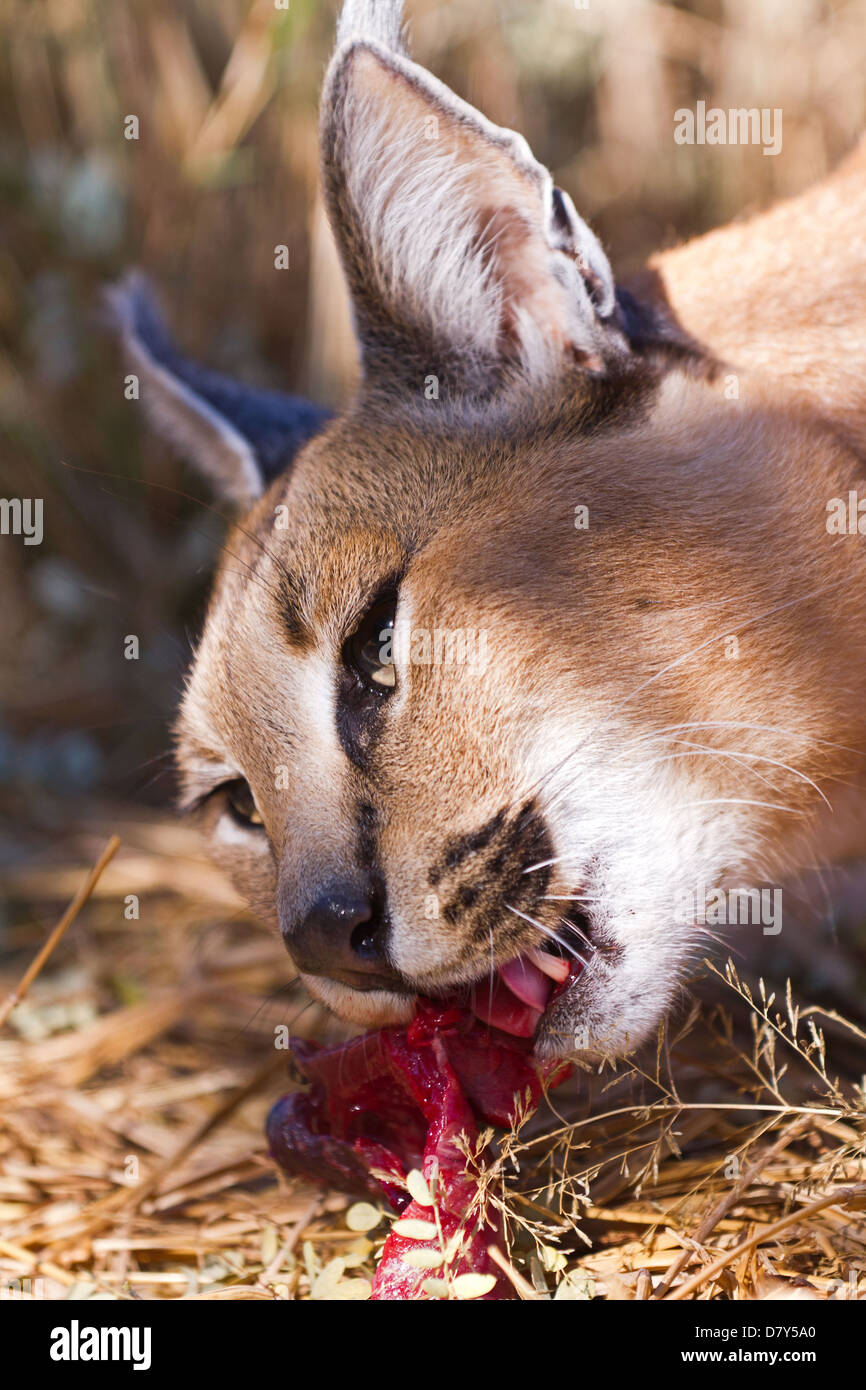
[
  {"x": 517, "y": 1000},
  {"x": 530, "y": 984}
]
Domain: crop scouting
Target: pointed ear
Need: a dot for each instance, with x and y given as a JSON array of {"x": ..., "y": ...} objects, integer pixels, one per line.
[
  {"x": 458, "y": 249},
  {"x": 238, "y": 437}
]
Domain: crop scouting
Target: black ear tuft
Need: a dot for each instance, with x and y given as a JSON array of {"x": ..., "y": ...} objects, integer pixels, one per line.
[{"x": 240, "y": 436}]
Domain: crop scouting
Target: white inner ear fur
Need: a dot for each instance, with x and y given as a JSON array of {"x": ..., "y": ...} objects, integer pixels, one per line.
[{"x": 458, "y": 219}]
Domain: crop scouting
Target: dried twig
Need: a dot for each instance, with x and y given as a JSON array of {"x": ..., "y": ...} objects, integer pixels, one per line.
[
  {"x": 16, "y": 995},
  {"x": 767, "y": 1233},
  {"x": 741, "y": 1185}
]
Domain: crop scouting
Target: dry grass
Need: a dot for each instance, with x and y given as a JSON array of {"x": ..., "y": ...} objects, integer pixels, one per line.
[{"x": 136, "y": 1075}]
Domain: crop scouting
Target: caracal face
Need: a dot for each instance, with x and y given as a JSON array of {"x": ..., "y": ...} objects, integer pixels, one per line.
[{"x": 538, "y": 642}]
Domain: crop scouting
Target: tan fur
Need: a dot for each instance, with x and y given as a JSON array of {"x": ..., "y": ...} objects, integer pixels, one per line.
[
  {"x": 611, "y": 698},
  {"x": 782, "y": 295}
]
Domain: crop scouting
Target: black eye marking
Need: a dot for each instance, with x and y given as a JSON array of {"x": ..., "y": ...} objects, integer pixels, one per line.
[
  {"x": 368, "y": 652},
  {"x": 241, "y": 804},
  {"x": 367, "y": 675}
]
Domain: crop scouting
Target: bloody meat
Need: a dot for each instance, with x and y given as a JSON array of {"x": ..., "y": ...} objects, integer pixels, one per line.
[{"x": 409, "y": 1098}]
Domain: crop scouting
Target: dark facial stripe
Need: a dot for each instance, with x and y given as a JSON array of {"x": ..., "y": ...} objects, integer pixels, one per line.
[
  {"x": 291, "y": 591},
  {"x": 462, "y": 847},
  {"x": 368, "y": 824}
]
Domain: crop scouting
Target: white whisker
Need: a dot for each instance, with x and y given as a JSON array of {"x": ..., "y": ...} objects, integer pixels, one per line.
[
  {"x": 545, "y": 863},
  {"x": 740, "y": 724},
  {"x": 547, "y": 931},
  {"x": 573, "y": 927},
  {"x": 569, "y": 898},
  {"x": 737, "y": 756},
  {"x": 744, "y": 801}
]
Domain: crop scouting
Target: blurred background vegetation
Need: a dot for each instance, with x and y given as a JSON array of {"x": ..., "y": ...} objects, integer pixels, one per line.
[{"x": 224, "y": 169}]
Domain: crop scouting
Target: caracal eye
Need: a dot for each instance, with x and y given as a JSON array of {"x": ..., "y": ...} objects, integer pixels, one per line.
[
  {"x": 241, "y": 804},
  {"x": 368, "y": 651}
]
